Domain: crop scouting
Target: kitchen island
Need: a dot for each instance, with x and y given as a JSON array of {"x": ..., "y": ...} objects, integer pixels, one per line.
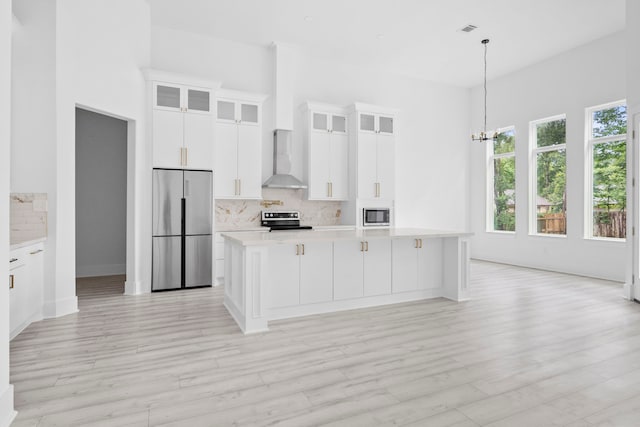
[{"x": 287, "y": 274}]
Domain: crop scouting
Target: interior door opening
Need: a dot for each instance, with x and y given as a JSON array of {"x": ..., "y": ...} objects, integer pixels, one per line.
[
  {"x": 633, "y": 203},
  {"x": 101, "y": 203}
]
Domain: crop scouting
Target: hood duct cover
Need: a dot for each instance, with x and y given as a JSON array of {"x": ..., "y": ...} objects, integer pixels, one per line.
[{"x": 282, "y": 178}]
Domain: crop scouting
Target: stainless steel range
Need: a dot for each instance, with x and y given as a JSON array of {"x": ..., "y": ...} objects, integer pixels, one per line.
[{"x": 283, "y": 220}]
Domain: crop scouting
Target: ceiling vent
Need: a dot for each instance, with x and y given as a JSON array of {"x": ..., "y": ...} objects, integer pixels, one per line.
[{"x": 468, "y": 28}]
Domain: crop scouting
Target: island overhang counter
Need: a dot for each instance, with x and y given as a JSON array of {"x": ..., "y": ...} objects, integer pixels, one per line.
[{"x": 287, "y": 274}]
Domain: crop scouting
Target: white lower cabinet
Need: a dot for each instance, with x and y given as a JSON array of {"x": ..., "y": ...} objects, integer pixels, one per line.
[
  {"x": 377, "y": 267},
  {"x": 348, "y": 271},
  {"x": 417, "y": 264},
  {"x": 361, "y": 268},
  {"x": 18, "y": 294},
  {"x": 26, "y": 282},
  {"x": 300, "y": 274}
]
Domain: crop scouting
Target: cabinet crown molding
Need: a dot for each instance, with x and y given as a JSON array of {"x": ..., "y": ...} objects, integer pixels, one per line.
[
  {"x": 151, "y": 74},
  {"x": 322, "y": 107},
  {"x": 370, "y": 108},
  {"x": 239, "y": 95}
]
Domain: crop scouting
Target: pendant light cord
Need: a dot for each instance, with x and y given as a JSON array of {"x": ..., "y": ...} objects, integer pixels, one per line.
[{"x": 485, "y": 42}]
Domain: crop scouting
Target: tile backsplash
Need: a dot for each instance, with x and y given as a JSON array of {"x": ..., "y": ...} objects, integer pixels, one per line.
[
  {"x": 28, "y": 217},
  {"x": 246, "y": 213}
]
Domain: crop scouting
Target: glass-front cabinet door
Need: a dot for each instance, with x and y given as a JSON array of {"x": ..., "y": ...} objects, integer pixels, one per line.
[
  {"x": 198, "y": 101},
  {"x": 339, "y": 124},
  {"x": 226, "y": 110},
  {"x": 320, "y": 122},
  {"x": 249, "y": 113},
  {"x": 385, "y": 124},
  {"x": 238, "y": 112},
  {"x": 367, "y": 122},
  {"x": 167, "y": 97}
]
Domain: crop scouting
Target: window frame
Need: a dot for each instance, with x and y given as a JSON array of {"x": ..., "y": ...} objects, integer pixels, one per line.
[
  {"x": 590, "y": 141},
  {"x": 491, "y": 157},
  {"x": 534, "y": 150}
]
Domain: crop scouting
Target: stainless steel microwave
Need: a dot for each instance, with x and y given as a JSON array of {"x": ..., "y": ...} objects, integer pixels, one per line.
[{"x": 376, "y": 217}]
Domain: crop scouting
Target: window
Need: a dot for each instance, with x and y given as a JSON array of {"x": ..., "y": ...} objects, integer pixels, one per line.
[
  {"x": 502, "y": 182},
  {"x": 606, "y": 215},
  {"x": 549, "y": 163}
]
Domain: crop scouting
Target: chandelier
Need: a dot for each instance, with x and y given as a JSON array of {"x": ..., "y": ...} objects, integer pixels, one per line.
[{"x": 483, "y": 136}]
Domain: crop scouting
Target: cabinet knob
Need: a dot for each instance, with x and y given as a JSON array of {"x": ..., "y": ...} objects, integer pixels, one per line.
[{"x": 11, "y": 277}]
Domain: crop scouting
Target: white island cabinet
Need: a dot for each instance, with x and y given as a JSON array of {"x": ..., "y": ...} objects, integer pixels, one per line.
[
  {"x": 416, "y": 264},
  {"x": 300, "y": 274},
  {"x": 361, "y": 268},
  {"x": 296, "y": 273}
]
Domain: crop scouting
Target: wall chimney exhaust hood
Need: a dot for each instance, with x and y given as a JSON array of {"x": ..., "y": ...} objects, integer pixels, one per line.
[
  {"x": 282, "y": 178},
  {"x": 282, "y": 136}
]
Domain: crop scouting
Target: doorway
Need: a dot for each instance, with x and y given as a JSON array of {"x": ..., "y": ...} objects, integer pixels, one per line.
[
  {"x": 633, "y": 247},
  {"x": 101, "y": 201}
]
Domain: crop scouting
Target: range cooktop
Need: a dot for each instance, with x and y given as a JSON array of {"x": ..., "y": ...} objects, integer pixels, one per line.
[{"x": 283, "y": 220}]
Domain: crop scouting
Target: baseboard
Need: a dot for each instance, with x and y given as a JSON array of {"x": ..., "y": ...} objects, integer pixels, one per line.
[
  {"x": 545, "y": 268},
  {"x": 33, "y": 318},
  {"x": 60, "y": 307},
  {"x": 100, "y": 270},
  {"x": 7, "y": 413}
]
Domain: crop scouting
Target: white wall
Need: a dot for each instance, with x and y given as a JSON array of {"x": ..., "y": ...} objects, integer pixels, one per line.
[
  {"x": 6, "y": 390},
  {"x": 586, "y": 76},
  {"x": 101, "y": 47},
  {"x": 431, "y": 143},
  {"x": 432, "y": 146},
  {"x": 101, "y": 194},
  {"x": 236, "y": 65},
  {"x": 70, "y": 53},
  {"x": 633, "y": 54},
  {"x": 33, "y": 130}
]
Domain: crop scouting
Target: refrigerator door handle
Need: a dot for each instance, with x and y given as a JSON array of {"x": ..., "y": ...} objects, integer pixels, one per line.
[
  {"x": 183, "y": 208},
  {"x": 186, "y": 188}
]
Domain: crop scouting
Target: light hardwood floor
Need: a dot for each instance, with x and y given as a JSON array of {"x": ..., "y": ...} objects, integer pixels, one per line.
[{"x": 531, "y": 349}]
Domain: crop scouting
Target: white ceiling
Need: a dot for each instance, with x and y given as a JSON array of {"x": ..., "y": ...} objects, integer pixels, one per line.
[{"x": 418, "y": 38}]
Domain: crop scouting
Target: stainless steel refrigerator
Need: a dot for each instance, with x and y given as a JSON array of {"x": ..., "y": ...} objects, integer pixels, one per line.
[{"x": 182, "y": 213}]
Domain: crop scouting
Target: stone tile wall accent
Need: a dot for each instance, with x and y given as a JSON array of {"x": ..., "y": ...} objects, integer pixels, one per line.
[
  {"x": 246, "y": 213},
  {"x": 28, "y": 216}
]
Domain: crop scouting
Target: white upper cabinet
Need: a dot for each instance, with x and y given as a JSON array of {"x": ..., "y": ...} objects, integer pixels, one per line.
[
  {"x": 236, "y": 111},
  {"x": 238, "y": 145},
  {"x": 327, "y": 145},
  {"x": 182, "y": 122},
  {"x": 181, "y": 98},
  {"x": 374, "y": 152}
]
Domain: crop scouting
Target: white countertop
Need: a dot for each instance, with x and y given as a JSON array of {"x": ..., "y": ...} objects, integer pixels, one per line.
[
  {"x": 284, "y": 237},
  {"x": 234, "y": 228},
  {"x": 231, "y": 228},
  {"x": 21, "y": 245}
]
